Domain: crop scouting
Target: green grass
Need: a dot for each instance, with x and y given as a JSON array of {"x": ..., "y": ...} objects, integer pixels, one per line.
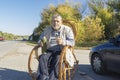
[
  {"x": 32, "y": 43},
  {"x": 88, "y": 45}
]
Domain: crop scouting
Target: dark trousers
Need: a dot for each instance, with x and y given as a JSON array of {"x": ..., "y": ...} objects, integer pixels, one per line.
[{"x": 48, "y": 66}]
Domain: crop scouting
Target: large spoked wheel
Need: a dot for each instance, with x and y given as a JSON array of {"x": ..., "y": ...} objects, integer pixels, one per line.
[
  {"x": 97, "y": 64},
  {"x": 66, "y": 72},
  {"x": 33, "y": 63}
]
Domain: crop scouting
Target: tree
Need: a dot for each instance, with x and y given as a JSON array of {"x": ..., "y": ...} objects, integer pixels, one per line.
[
  {"x": 115, "y": 8},
  {"x": 1, "y": 34},
  {"x": 70, "y": 13},
  {"x": 105, "y": 13},
  {"x": 94, "y": 29}
]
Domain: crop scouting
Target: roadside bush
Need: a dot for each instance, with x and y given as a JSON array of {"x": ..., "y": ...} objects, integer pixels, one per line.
[{"x": 94, "y": 29}]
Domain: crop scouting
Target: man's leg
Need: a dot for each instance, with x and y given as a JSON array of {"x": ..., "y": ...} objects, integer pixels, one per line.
[
  {"x": 43, "y": 67},
  {"x": 54, "y": 68}
]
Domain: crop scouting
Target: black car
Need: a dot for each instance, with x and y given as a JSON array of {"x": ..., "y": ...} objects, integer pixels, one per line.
[{"x": 106, "y": 56}]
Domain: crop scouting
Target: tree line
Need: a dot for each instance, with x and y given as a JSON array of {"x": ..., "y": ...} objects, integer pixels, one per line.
[
  {"x": 7, "y": 36},
  {"x": 10, "y": 36}
]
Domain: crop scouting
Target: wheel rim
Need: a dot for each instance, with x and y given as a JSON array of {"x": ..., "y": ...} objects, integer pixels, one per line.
[
  {"x": 33, "y": 63},
  {"x": 96, "y": 63}
]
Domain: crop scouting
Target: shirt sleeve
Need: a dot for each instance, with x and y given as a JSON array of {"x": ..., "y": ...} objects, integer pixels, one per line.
[
  {"x": 41, "y": 37},
  {"x": 69, "y": 37}
]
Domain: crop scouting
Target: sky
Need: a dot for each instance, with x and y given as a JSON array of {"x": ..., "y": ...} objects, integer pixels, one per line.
[{"x": 20, "y": 17}]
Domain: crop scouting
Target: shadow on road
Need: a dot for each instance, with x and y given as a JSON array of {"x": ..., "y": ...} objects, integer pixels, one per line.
[
  {"x": 10, "y": 74},
  {"x": 107, "y": 76}
]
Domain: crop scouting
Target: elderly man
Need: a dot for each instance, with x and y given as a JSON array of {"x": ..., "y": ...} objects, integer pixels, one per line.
[{"x": 57, "y": 36}]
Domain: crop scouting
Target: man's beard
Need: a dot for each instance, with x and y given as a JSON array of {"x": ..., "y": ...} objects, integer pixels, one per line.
[{"x": 56, "y": 27}]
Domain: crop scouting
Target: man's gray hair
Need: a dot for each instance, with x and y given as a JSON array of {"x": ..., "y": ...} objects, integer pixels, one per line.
[{"x": 56, "y": 16}]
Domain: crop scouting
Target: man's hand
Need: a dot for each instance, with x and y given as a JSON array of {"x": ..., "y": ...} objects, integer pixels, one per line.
[
  {"x": 59, "y": 41},
  {"x": 40, "y": 44}
]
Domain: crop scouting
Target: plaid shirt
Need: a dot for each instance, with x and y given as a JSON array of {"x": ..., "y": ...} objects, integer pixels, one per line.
[{"x": 64, "y": 32}]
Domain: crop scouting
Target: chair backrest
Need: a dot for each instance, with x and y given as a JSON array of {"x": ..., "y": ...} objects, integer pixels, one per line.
[
  {"x": 70, "y": 56},
  {"x": 71, "y": 24},
  {"x": 68, "y": 51}
]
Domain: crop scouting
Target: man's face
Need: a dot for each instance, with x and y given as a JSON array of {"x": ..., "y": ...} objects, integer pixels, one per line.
[{"x": 56, "y": 23}]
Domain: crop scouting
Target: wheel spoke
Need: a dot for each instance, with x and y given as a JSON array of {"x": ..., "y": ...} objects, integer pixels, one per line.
[{"x": 97, "y": 63}]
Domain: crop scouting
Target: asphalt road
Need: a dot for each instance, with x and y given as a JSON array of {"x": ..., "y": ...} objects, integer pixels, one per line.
[
  {"x": 6, "y": 46},
  {"x": 84, "y": 66},
  {"x": 14, "y": 59}
]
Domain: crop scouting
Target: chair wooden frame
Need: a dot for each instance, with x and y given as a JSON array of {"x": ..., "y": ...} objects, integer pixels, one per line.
[
  {"x": 62, "y": 69},
  {"x": 34, "y": 52},
  {"x": 64, "y": 65}
]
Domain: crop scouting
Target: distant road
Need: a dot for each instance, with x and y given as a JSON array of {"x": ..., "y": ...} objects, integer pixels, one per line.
[
  {"x": 14, "y": 58},
  {"x": 6, "y": 46}
]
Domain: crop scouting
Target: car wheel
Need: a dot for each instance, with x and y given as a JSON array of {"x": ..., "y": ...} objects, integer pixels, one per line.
[{"x": 97, "y": 64}]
